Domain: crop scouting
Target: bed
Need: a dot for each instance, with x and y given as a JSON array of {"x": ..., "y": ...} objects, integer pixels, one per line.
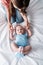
[{"x": 35, "y": 57}]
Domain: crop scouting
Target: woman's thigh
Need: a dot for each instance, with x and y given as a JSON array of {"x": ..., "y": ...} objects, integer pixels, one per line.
[{"x": 19, "y": 18}]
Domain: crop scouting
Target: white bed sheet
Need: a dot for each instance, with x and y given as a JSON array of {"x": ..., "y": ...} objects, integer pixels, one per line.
[{"x": 35, "y": 13}]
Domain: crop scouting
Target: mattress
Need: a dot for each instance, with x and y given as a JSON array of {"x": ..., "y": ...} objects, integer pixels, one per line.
[{"x": 35, "y": 15}]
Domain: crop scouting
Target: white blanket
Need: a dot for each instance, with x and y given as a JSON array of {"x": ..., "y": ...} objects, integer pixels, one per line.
[{"x": 35, "y": 12}]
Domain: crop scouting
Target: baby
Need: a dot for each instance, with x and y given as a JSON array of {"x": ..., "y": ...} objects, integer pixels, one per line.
[{"x": 21, "y": 36}]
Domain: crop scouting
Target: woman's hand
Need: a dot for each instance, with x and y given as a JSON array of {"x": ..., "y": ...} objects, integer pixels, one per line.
[{"x": 10, "y": 26}]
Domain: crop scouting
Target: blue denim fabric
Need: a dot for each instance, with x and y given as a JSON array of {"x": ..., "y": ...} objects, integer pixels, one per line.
[
  {"x": 21, "y": 40},
  {"x": 18, "y": 18},
  {"x": 13, "y": 19}
]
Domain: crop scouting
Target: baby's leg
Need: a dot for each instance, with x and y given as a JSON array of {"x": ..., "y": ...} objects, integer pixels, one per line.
[
  {"x": 25, "y": 53},
  {"x": 14, "y": 47},
  {"x": 27, "y": 49}
]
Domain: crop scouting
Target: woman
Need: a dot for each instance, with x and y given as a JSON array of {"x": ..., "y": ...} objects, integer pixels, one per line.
[
  {"x": 21, "y": 5},
  {"x": 11, "y": 12},
  {"x": 15, "y": 10}
]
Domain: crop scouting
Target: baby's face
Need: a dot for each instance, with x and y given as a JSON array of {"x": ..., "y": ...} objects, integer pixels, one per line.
[{"x": 19, "y": 30}]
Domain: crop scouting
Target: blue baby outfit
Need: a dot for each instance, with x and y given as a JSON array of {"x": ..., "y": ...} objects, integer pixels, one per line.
[{"x": 21, "y": 40}]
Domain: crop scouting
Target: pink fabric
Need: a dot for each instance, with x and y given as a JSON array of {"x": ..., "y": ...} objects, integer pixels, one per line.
[{"x": 6, "y": 2}]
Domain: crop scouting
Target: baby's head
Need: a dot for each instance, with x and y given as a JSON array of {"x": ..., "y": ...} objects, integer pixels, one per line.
[{"x": 19, "y": 29}]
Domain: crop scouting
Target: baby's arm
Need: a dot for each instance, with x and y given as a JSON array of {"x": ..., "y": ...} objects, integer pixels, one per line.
[
  {"x": 29, "y": 32},
  {"x": 11, "y": 35}
]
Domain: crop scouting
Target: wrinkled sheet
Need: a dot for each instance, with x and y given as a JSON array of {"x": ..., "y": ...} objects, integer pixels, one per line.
[{"x": 35, "y": 14}]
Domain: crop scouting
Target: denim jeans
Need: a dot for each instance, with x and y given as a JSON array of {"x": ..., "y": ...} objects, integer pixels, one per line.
[{"x": 18, "y": 18}]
